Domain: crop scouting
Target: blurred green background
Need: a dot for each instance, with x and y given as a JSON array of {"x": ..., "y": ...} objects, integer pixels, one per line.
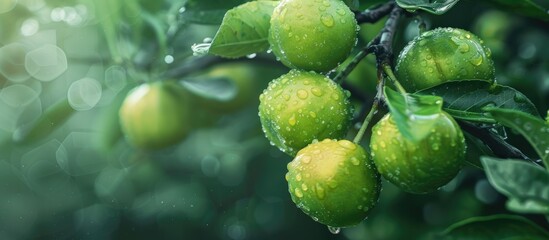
[{"x": 66, "y": 171}]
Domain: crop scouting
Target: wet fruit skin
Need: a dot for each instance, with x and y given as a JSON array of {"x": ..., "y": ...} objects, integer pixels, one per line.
[
  {"x": 443, "y": 54},
  {"x": 312, "y": 34},
  {"x": 334, "y": 182},
  {"x": 300, "y": 107},
  {"x": 156, "y": 115},
  {"x": 418, "y": 167}
]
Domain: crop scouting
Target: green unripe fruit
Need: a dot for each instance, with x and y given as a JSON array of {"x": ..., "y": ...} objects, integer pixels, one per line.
[
  {"x": 441, "y": 55},
  {"x": 300, "y": 107},
  {"x": 244, "y": 79},
  {"x": 334, "y": 182},
  {"x": 418, "y": 167},
  {"x": 311, "y": 34},
  {"x": 156, "y": 115}
]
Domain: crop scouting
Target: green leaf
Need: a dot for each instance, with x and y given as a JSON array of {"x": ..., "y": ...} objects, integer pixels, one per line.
[
  {"x": 433, "y": 6},
  {"x": 50, "y": 120},
  {"x": 214, "y": 88},
  {"x": 467, "y": 99},
  {"x": 525, "y": 184},
  {"x": 207, "y": 11},
  {"x": 495, "y": 227},
  {"x": 353, "y": 4},
  {"x": 414, "y": 115},
  {"x": 108, "y": 13},
  {"x": 245, "y": 30},
  {"x": 475, "y": 149},
  {"x": 534, "y": 129},
  {"x": 531, "y": 8}
]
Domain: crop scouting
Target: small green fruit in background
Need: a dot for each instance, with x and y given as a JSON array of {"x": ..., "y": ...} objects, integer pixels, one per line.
[
  {"x": 312, "y": 35},
  {"x": 300, "y": 107},
  {"x": 418, "y": 167},
  {"x": 156, "y": 115},
  {"x": 245, "y": 80},
  {"x": 441, "y": 55},
  {"x": 334, "y": 182}
]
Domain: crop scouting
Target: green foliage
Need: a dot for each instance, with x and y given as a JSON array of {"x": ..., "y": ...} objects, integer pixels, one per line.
[
  {"x": 467, "y": 100},
  {"x": 526, "y": 185},
  {"x": 207, "y": 11},
  {"x": 531, "y": 8},
  {"x": 50, "y": 120},
  {"x": 245, "y": 30},
  {"x": 494, "y": 228},
  {"x": 435, "y": 7},
  {"x": 534, "y": 129},
  {"x": 63, "y": 150},
  {"x": 414, "y": 115}
]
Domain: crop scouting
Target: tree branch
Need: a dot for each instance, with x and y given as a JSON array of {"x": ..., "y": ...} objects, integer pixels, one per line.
[
  {"x": 384, "y": 50},
  {"x": 373, "y": 15}
]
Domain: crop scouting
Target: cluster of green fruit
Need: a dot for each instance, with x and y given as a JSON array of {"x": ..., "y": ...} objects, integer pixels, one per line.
[{"x": 307, "y": 115}]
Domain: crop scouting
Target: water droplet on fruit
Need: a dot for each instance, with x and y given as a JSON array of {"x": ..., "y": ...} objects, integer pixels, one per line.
[
  {"x": 304, "y": 187},
  {"x": 306, "y": 159},
  {"x": 327, "y": 20},
  {"x": 316, "y": 91},
  {"x": 488, "y": 52},
  {"x": 463, "y": 47},
  {"x": 298, "y": 177},
  {"x": 334, "y": 230},
  {"x": 286, "y": 97},
  {"x": 298, "y": 193},
  {"x": 355, "y": 161},
  {"x": 320, "y": 191},
  {"x": 476, "y": 60},
  {"x": 302, "y": 94},
  {"x": 292, "y": 121},
  {"x": 346, "y": 144}
]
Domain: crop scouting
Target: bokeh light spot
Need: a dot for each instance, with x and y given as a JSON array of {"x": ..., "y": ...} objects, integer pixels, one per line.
[
  {"x": 12, "y": 62},
  {"x": 7, "y": 5},
  {"x": 84, "y": 94},
  {"x": 18, "y": 95},
  {"x": 115, "y": 78},
  {"x": 46, "y": 63},
  {"x": 76, "y": 157},
  {"x": 30, "y": 27}
]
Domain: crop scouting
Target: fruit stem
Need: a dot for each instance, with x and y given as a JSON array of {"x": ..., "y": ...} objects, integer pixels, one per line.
[
  {"x": 373, "y": 111},
  {"x": 391, "y": 76}
]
